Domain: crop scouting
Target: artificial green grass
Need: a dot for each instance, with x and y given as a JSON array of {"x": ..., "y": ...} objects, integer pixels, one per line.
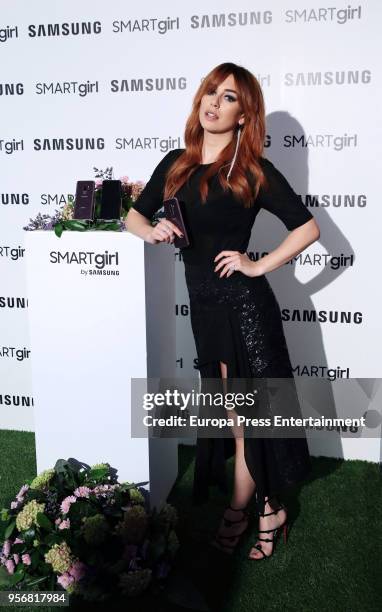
[{"x": 332, "y": 558}]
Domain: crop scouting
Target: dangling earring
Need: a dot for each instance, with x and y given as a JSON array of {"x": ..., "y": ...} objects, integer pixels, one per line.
[{"x": 236, "y": 150}]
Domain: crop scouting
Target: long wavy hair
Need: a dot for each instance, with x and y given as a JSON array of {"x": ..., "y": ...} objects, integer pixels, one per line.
[{"x": 247, "y": 176}]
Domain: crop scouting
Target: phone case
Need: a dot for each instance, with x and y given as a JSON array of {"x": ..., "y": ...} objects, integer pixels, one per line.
[
  {"x": 173, "y": 213},
  {"x": 84, "y": 201},
  {"x": 111, "y": 200}
]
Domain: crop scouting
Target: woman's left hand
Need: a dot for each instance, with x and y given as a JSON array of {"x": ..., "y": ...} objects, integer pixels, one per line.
[{"x": 233, "y": 261}]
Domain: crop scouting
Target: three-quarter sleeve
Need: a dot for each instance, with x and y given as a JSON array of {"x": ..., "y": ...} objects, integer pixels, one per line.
[
  {"x": 150, "y": 200},
  {"x": 280, "y": 199}
]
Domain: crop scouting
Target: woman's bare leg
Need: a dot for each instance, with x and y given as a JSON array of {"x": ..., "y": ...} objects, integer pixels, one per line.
[{"x": 244, "y": 485}]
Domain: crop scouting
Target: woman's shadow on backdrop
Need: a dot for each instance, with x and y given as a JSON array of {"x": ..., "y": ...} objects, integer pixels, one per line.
[{"x": 294, "y": 294}]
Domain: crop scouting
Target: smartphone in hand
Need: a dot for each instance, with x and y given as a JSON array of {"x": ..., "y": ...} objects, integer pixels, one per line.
[{"x": 174, "y": 214}]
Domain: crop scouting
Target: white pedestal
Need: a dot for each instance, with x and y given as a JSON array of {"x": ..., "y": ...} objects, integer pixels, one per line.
[{"x": 93, "y": 327}]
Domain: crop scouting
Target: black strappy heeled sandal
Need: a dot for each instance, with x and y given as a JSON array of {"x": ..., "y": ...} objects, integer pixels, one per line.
[
  {"x": 275, "y": 535},
  {"x": 226, "y": 547}
]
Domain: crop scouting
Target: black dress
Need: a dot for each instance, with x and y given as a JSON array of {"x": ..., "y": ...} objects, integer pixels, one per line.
[{"x": 237, "y": 319}]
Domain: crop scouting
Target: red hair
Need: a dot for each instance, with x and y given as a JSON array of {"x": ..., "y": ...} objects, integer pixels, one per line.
[{"x": 247, "y": 166}]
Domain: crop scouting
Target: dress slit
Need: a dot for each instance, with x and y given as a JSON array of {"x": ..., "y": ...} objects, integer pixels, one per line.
[{"x": 239, "y": 323}]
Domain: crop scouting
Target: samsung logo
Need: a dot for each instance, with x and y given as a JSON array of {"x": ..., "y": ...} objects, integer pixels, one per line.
[
  {"x": 14, "y": 198},
  {"x": 13, "y": 302},
  {"x": 16, "y": 400},
  {"x": 11, "y": 89},
  {"x": 68, "y": 144},
  {"x": 321, "y": 316},
  {"x": 100, "y": 260},
  {"x": 329, "y": 77},
  {"x": 346, "y": 200},
  {"x": 150, "y": 84},
  {"x": 224, "y": 20},
  {"x": 76, "y": 28}
]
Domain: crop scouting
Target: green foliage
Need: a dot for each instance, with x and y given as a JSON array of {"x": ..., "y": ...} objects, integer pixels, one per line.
[{"x": 77, "y": 522}]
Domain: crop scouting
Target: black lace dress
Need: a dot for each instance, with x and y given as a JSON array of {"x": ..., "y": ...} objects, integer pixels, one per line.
[{"x": 236, "y": 320}]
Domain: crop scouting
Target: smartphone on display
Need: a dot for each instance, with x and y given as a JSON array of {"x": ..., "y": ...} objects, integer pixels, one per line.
[
  {"x": 111, "y": 200},
  {"x": 84, "y": 202},
  {"x": 173, "y": 213}
]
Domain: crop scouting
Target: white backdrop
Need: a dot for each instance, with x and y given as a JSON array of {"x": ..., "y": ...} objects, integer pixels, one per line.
[{"x": 120, "y": 79}]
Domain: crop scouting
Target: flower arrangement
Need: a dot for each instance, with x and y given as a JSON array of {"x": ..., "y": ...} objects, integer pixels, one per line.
[
  {"x": 63, "y": 217},
  {"x": 76, "y": 528}
]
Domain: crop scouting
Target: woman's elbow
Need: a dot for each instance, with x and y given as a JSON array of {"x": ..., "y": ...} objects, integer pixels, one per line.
[{"x": 312, "y": 230}]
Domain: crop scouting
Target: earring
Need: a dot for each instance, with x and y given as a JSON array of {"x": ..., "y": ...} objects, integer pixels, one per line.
[{"x": 235, "y": 154}]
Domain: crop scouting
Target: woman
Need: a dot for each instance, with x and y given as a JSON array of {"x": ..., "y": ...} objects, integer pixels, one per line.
[{"x": 223, "y": 181}]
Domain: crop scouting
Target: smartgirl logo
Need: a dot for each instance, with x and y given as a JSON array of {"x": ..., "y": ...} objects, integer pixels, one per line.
[{"x": 101, "y": 264}]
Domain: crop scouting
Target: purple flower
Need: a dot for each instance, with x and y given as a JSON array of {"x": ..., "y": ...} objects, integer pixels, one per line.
[
  {"x": 65, "y": 524},
  {"x": 77, "y": 570},
  {"x": 66, "y": 503},
  {"x": 65, "y": 580},
  {"x": 6, "y": 548},
  {"x": 26, "y": 559},
  {"x": 82, "y": 492},
  {"x": 10, "y": 566},
  {"x": 16, "y": 558}
]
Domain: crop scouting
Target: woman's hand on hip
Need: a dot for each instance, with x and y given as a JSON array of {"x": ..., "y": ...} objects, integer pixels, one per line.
[
  {"x": 229, "y": 262},
  {"x": 163, "y": 231}
]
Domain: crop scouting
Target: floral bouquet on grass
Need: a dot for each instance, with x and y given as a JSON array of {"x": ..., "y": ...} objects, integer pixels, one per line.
[
  {"x": 75, "y": 527},
  {"x": 63, "y": 217}
]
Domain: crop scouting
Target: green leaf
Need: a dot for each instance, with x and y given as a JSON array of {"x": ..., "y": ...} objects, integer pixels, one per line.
[
  {"x": 4, "y": 514},
  {"x": 44, "y": 522},
  {"x": 60, "y": 465},
  {"x": 34, "y": 580},
  {"x": 35, "y": 558},
  {"x": 9, "y": 530},
  {"x": 17, "y": 576},
  {"x": 98, "y": 473},
  {"x": 74, "y": 224},
  {"x": 113, "y": 226},
  {"x": 58, "y": 229},
  {"x": 4, "y": 576},
  {"x": 51, "y": 539}
]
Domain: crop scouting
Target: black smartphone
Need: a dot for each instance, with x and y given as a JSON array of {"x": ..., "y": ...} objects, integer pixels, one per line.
[
  {"x": 173, "y": 213},
  {"x": 84, "y": 202},
  {"x": 111, "y": 200}
]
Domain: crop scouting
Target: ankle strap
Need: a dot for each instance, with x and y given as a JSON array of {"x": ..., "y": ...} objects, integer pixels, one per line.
[{"x": 281, "y": 507}]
